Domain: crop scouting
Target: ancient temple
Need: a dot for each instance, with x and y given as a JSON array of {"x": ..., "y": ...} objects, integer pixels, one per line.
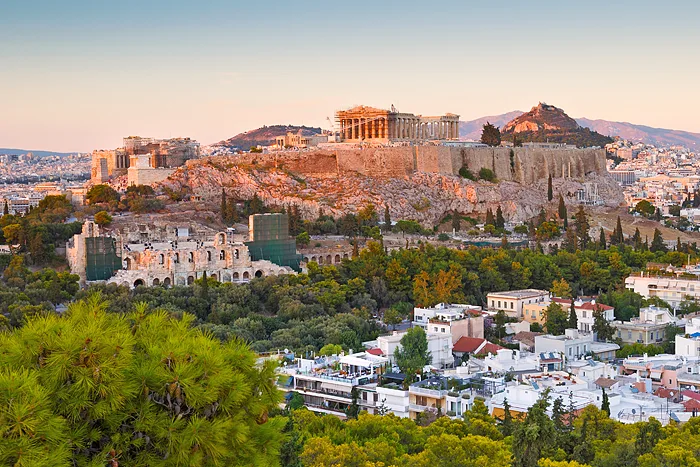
[{"x": 368, "y": 124}]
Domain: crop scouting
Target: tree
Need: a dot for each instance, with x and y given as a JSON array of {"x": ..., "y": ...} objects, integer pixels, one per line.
[
  {"x": 645, "y": 208},
  {"x": 103, "y": 218},
  {"x": 605, "y": 404},
  {"x": 331, "y": 349},
  {"x": 550, "y": 193},
  {"x": 90, "y": 386},
  {"x": 500, "y": 221},
  {"x": 412, "y": 355},
  {"x": 256, "y": 205},
  {"x": 657, "y": 244},
  {"x": 555, "y": 319},
  {"x": 224, "y": 207},
  {"x": 534, "y": 437},
  {"x": 489, "y": 218},
  {"x": 637, "y": 239},
  {"x": 620, "y": 235},
  {"x": 490, "y": 135},
  {"x": 507, "y": 424},
  {"x": 353, "y": 409},
  {"x": 303, "y": 239},
  {"x": 456, "y": 222},
  {"x": 562, "y": 211},
  {"x": 573, "y": 319},
  {"x": 601, "y": 241},
  {"x": 487, "y": 174},
  {"x": 6, "y": 209},
  {"x": 561, "y": 288},
  {"x": 582, "y": 227},
  {"x": 601, "y": 326},
  {"x": 387, "y": 218},
  {"x": 392, "y": 317},
  {"x": 101, "y": 194}
]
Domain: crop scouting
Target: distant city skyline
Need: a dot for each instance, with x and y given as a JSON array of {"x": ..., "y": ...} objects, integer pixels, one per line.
[{"x": 78, "y": 75}]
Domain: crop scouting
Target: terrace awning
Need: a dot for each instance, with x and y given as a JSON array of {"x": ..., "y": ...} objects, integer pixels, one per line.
[{"x": 355, "y": 361}]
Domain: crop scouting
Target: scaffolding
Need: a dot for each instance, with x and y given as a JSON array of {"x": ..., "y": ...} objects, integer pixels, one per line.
[{"x": 101, "y": 258}]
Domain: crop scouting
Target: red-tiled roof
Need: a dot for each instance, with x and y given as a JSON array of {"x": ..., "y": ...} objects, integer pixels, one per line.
[
  {"x": 605, "y": 382},
  {"x": 377, "y": 352},
  {"x": 475, "y": 345},
  {"x": 691, "y": 395},
  {"x": 691, "y": 404},
  {"x": 666, "y": 393},
  {"x": 467, "y": 344},
  {"x": 584, "y": 305}
]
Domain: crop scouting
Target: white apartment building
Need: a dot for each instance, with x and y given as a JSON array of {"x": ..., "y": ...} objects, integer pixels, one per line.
[
  {"x": 688, "y": 344},
  {"x": 585, "y": 312},
  {"x": 572, "y": 345},
  {"x": 511, "y": 302},
  {"x": 439, "y": 346},
  {"x": 648, "y": 328},
  {"x": 455, "y": 320},
  {"x": 670, "y": 289}
]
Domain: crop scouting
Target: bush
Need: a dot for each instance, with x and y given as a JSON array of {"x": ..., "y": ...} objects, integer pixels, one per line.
[
  {"x": 443, "y": 237},
  {"x": 521, "y": 229},
  {"x": 487, "y": 174},
  {"x": 103, "y": 218},
  {"x": 464, "y": 172}
]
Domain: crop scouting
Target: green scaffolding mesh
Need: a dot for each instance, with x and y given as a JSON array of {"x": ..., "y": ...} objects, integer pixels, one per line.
[
  {"x": 280, "y": 252},
  {"x": 102, "y": 259}
]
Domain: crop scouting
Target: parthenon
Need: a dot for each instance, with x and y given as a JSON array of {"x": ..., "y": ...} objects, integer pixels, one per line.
[{"x": 383, "y": 126}]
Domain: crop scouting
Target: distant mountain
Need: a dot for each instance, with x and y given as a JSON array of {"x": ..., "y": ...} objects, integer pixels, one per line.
[
  {"x": 642, "y": 133},
  {"x": 264, "y": 136},
  {"x": 471, "y": 130},
  {"x": 36, "y": 153},
  {"x": 547, "y": 123}
]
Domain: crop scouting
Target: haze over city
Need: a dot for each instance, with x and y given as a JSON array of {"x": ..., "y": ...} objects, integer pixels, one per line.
[{"x": 79, "y": 75}]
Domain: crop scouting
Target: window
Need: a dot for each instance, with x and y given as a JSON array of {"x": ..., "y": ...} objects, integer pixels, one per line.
[
  {"x": 222, "y": 254},
  {"x": 492, "y": 305},
  {"x": 161, "y": 259},
  {"x": 443, "y": 329},
  {"x": 511, "y": 305},
  {"x": 177, "y": 258},
  {"x": 435, "y": 328},
  {"x": 191, "y": 257},
  {"x": 570, "y": 351},
  {"x": 208, "y": 255},
  {"x": 499, "y": 304}
]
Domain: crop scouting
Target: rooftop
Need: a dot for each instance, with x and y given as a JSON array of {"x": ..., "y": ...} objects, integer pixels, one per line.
[{"x": 520, "y": 294}]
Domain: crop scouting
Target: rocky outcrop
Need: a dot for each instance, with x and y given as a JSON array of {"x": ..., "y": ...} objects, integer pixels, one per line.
[{"x": 423, "y": 196}]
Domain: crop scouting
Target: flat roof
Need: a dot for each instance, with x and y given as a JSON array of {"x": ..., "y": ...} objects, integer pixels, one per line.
[{"x": 525, "y": 293}]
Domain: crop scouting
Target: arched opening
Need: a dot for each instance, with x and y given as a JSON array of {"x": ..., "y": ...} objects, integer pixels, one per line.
[
  {"x": 329, "y": 259},
  {"x": 306, "y": 258},
  {"x": 156, "y": 281},
  {"x": 246, "y": 275},
  {"x": 236, "y": 276},
  {"x": 180, "y": 281},
  {"x": 177, "y": 258},
  {"x": 226, "y": 277},
  {"x": 258, "y": 273},
  {"x": 191, "y": 257},
  {"x": 222, "y": 239},
  {"x": 320, "y": 260},
  {"x": 166, "y": 282},
  {"x": 190, "y": 280},
  {"x": 208, "y": 255},
  {"x": 127, "y": 263},
  {"x": 161, "y": 259},
  {"x": 222, "y": 255},
  {"x": 337, "y": 258},
  {"x": 138, "y": 282},
  {"x": 345, "y": 256},
  {"x": 313, "y": 258},
  {"x": 236, "y": 254}
]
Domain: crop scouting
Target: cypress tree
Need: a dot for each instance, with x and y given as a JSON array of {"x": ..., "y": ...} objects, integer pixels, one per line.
[
  {"x": 657, "y": 243},
  {"x": 6, "y": 209},
  {"x": 224, "y": 207},
  {"x": 500, "y": 221},
  {"x": 573, "y": 319},
  {"x": 637, "y": 239},
  {"x": 562, "y": 210},
  {"x": 456, "y": 222},
  {"x": 550, "y": 193},
  {"x": 605, "y": 405},
  {"x": 620, "y": 236},
  {"x": 489, "y": 218},
  {"x": 387, "y": 218},
  {"x": 603, "y": 246},
  {"x": 679, "y": 245}
]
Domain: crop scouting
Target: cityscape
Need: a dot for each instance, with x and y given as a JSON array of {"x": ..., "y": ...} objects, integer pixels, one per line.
[{"x": 324, "y": 257}]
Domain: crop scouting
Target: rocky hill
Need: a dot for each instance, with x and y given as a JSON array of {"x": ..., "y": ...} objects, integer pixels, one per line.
[
  {"x": 264, "y": 136},
  {"x": 547, "y": 123},
  {"x": 425, "y": 197},
  {"x": 662, "y": 137}
]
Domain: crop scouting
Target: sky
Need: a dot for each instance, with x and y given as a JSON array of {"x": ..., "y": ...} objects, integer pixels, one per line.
[{"x": 80, "y": 75}]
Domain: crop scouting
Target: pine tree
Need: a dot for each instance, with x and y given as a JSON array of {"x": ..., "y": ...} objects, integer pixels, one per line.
[
  {"x": 573, "y": 319},
  {"x": 224, "y": 208},
  {"x": 491, "y": 135},
  {"x": 489, "y": 218},
  {"x": 387, "y": 218},
  {"x": 601, "y": 241},
  {"x": 456, "y": 222},
  {"x": 605, "y": 405},
  {"x": 6, "y": 209},
  {"x": 620, "y": 239},
  {"x": 500, "y": 221},
  {"x": 550, "y": 193},
  {"x": 507, "y": 424}
]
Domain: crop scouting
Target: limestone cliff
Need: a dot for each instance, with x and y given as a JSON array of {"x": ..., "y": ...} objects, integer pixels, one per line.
[{"x": 316, "y": 183}]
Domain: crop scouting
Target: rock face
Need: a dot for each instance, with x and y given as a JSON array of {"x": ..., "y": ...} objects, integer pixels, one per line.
[{"x": 426, "y": 196}]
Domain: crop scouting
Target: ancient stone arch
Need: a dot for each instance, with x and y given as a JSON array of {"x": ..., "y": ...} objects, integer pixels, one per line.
[
  {"x": 337, "y": 258},
  {"x": 345, "y": 256},
  {"x": 226, "y": 277},
  {"x": 259, "y": 273},
  {"x": 191, "y": 257},
  {"x": 166, "y": 282},
  {"x": 221, "y": 238},
  {"x": 236, "y": 254},
  {"x": 236, "y": 276},
  {"x": 161, "y": 259},
  {"x": 208, "y": 255},
  {"x": 138, "y": 282},
  {"x": 156, "y": 281},
  {"x": 180, "y": 281},
  {"x": 246, "y": 275},
  {"x": 329, "y": 259},
  {"x": 222, "y": 255},
  {"x": 190, "y": 280}
]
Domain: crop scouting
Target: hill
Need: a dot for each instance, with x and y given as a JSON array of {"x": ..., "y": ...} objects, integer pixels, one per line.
[
  {"x": 547, "y": 123},
  {"x": 264, "y": 136},
  {"x": 471, "y": 130},
  {"x": 661, "y": 137},
  {"x": 36, "y": 153}
]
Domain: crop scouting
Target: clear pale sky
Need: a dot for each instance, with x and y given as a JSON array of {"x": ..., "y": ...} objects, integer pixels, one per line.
[{"x": 79, "y": 75}]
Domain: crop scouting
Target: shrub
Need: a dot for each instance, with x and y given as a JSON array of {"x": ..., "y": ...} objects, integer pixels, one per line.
[
  {"x": 464, "y": 172},
  {"x": 487, "y": 174}
]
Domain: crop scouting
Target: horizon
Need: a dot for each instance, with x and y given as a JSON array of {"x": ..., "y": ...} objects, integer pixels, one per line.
[{"x": 82, "y": 75}]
